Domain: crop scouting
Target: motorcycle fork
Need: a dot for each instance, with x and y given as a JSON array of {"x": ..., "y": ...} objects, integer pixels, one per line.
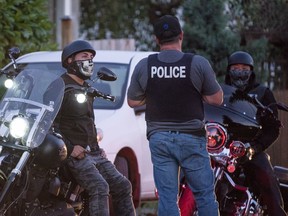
[
  {"x": 250, "y": 201},
  {"x": 16, "y": 172}
]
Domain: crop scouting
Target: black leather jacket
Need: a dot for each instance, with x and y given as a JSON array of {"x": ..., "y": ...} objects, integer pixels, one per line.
[{"x": 271, "y": 125}]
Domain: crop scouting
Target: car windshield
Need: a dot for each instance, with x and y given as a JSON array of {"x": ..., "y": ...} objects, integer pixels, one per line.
[{"x": 115, "y": 88}]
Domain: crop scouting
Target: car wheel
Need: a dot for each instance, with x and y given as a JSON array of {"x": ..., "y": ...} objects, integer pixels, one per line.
[{"x": 122, "y": 166}]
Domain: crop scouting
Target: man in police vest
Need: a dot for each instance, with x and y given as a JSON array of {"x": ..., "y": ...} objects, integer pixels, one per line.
[{"x": 173, "y": 86}]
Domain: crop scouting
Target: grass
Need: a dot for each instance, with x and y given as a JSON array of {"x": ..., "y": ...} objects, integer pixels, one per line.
[{"x": 147, "y": 208}]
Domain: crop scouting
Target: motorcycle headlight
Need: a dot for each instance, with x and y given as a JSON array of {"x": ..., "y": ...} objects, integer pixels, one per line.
[
  {"x": 216, "y": 137},
  {"x": 19, "y": 127},
  {"x": 8, "y": 83}
]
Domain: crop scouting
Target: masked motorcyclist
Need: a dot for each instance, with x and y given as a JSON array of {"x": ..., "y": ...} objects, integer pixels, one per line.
[
  {"x": 259, "y": 170},
  {"x": 75, "y": 122}
]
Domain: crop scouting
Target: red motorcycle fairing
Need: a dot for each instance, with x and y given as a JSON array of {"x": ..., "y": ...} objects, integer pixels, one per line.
[{"x": 187, "y": 204}]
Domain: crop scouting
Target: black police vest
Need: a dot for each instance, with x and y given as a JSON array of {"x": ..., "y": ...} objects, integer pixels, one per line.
[{"x": 170, "y": 94}]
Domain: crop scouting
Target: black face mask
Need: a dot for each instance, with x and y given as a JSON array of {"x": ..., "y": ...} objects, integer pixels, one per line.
[
  {"x": 239, "y": 78},
  {"x": 83, "y": 68}
]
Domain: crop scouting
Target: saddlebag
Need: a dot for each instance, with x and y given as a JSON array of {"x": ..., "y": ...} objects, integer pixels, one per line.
[{"x": 282, "y": 175}]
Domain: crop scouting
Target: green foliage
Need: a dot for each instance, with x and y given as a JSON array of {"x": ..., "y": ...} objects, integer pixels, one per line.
[
  {"x": 112, "y": 19},
  {"x": 24, "y": 23},
  {"x": 206, "y": 32},
  {"x": 213, "y": 29},
  {"x": 259, "y": 51},
  {"x": 264, "y": 31}
]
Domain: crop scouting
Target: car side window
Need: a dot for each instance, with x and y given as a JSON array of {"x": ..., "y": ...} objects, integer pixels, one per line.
[{"x": 116, "y": 88}]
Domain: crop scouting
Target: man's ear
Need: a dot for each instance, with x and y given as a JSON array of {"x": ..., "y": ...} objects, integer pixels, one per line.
[
  {"x": 157, "y": 40},
  {"x": 69, "y": 60},
  {"x": 181, "y": 35}
]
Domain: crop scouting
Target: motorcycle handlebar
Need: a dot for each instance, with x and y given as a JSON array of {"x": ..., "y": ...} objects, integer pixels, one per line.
[
  {"x": 91, "y": 92},
  {"x": 96, "y": 93}
]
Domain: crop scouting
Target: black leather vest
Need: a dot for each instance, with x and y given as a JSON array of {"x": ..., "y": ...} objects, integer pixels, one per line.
[{"x": 76, "y": 120}]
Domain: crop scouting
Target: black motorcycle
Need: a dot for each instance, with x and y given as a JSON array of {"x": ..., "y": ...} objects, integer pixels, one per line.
[
  {"x": 33, "y": 178},
  {"x": 230, "y": 129}
]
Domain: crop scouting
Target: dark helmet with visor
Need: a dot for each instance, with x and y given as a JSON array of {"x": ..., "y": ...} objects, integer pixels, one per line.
[
  {"x": 239, "y": 77},
  {"x": 83, "y": 68}
]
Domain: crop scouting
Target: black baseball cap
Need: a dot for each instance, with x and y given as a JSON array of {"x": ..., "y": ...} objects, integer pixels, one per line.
[{"x": 167, "y": 28}]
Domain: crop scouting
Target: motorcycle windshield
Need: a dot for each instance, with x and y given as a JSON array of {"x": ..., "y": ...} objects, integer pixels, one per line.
[
  {"x": 237, "y": 113},
  {"x": 238, "y": 102},
  {"x": 29, "y": 108}
]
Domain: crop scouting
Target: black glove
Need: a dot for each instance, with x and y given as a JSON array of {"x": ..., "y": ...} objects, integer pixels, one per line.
[
  {"x": 268, "y": 119},
  {"x": 270, "y": 130}
]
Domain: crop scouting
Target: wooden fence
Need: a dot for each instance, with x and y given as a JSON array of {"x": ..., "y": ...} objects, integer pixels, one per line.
[{"x": 279, "y": 150}]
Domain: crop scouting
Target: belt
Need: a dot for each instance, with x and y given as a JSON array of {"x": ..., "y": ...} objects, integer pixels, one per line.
[{"x": 201, "y": 132}]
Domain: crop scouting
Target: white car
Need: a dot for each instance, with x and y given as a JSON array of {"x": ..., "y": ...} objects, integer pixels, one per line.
[{"x": 124, "y": 128}]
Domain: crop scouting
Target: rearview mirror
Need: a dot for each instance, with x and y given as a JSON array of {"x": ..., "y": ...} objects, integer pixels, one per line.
[
  {"x": 14, "y": 53},
  {"x": 106, "y": 74}
]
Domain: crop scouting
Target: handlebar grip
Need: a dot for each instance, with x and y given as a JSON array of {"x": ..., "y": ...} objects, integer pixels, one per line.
[
  {"x": 110, "y": 98},
  {"x": 99, "y": 94}
]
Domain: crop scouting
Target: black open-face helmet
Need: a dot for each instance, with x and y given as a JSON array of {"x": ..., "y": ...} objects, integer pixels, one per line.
[{"x": 75, "y": 47}]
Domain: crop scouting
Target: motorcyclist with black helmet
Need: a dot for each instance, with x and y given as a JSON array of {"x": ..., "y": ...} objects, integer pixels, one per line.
[
  {"x": 75, "y": 122},
  {"x": 259, "y": 170}
]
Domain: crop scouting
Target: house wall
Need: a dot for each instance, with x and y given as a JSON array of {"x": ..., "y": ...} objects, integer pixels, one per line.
[{"x": 65, "y": 15}]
